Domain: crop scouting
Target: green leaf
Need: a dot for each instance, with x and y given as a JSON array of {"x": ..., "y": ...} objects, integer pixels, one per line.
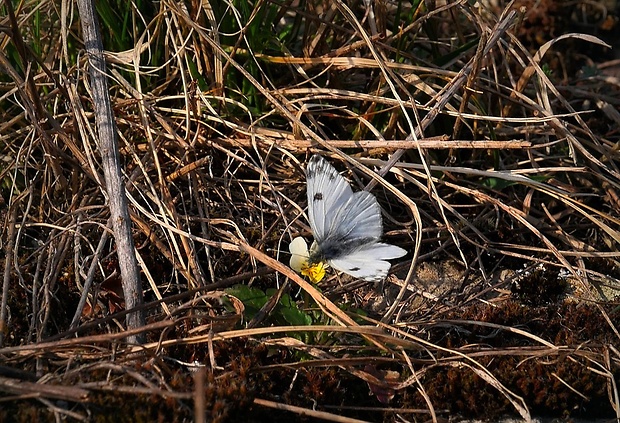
[
  {"x": 291, "y": 312},
  {"x": 252, "y": 298}
]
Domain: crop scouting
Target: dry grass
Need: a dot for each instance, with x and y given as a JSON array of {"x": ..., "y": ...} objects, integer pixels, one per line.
[{"x": 493, "y": 153}]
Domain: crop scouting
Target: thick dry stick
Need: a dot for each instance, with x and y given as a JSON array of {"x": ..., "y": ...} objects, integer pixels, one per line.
[
  {"x": 10, "y": 244},
  {"x": 108, "y": 146}
]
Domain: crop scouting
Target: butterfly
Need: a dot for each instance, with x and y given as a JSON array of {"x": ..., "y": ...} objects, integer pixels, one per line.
[{"x": 347, "y": 229}]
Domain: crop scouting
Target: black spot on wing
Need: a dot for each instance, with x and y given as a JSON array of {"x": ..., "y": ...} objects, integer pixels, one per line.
[
  {"x": 354, "y": 269},
  {"x": 318, "y": 196}
]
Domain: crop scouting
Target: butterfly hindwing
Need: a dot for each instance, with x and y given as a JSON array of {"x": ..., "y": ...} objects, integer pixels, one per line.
[
  {"x": 362, "y": 268},
  {"x": 369, "y": 262}
]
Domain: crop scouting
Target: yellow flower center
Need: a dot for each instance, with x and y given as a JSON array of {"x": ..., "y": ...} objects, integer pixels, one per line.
[{"x": 314, "y": 272}]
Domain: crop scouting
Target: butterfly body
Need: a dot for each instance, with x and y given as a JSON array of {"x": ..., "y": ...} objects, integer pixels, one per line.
[
  {"x": 333, "y": 249},
  {"x": 347, "y": 226}
]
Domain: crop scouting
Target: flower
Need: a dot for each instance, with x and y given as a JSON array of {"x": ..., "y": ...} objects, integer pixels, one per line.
[{"x": 300, "y": 261}]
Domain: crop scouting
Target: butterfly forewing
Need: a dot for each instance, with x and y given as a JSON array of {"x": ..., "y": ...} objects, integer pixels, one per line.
[
  {"x": 327, "y": 194},
  {"x": 359, "y": 218}
]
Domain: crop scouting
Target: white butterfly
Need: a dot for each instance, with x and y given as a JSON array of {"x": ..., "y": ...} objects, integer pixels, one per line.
[{"x": 347, "y": 228}]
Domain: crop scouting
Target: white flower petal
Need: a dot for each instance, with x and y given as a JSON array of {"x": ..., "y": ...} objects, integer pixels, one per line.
[
  {"x": 299, "y": 254},
  {"x": 298, "y": 246}
]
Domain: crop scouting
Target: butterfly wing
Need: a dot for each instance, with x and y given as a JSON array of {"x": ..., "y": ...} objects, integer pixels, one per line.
[
  {"x": 327, "y": 193},
  {"x": 358, "y": 218},
  {"x": 346, "y": 226},
  {"x": 334, "y": 211},
  {"x": 369, "y": 262}
]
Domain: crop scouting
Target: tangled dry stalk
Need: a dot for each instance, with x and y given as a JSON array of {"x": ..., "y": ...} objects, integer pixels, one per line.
[{"x": 497, "y": 171}]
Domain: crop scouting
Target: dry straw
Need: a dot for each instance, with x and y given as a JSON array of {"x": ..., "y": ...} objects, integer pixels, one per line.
[{"x": 480, "y": 157}]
